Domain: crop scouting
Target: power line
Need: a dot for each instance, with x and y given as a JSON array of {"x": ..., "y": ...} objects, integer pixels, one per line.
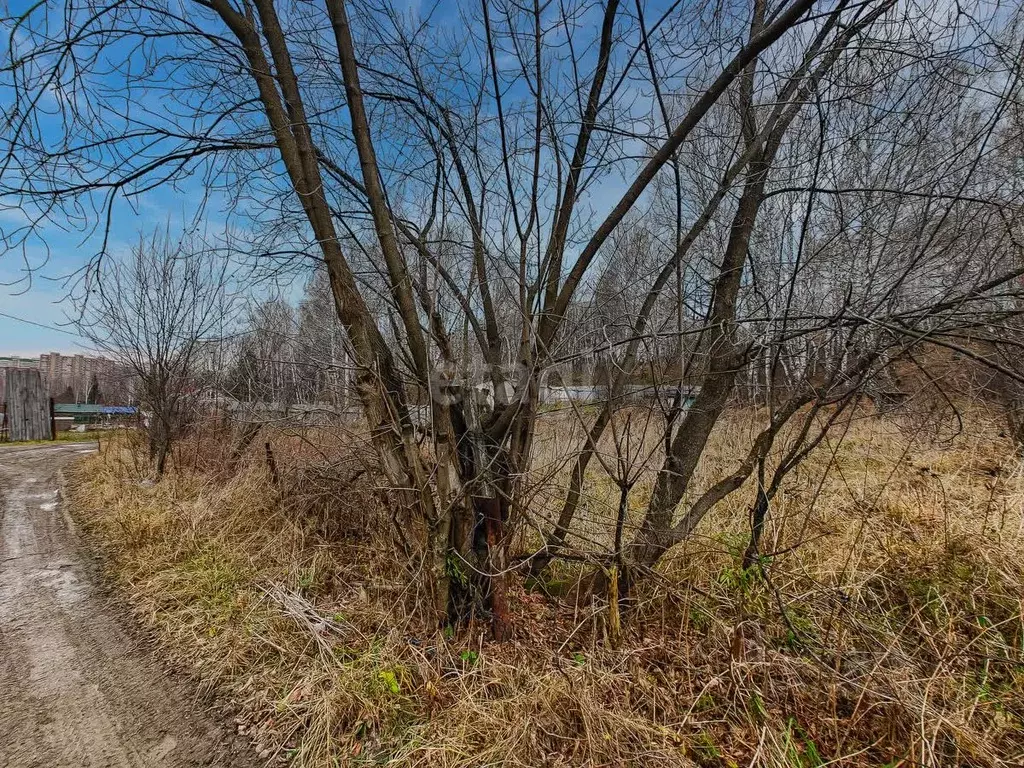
[{"x": 40, "y": 325}]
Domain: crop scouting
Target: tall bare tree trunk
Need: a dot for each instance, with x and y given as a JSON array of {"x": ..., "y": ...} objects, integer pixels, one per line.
[{"x": 378, "y": 385}]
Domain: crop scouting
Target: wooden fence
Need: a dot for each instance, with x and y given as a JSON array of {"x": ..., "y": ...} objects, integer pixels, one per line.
[{"x": 28, "y": 412}]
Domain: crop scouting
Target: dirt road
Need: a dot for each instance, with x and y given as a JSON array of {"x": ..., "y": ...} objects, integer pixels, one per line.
[{"x": 76, "y": 690}]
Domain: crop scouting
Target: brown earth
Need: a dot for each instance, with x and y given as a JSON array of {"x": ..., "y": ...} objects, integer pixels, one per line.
[{"x": 77, "y": 688}]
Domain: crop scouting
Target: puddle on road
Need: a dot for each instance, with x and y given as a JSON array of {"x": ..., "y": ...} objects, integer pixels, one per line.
[{"x": 60, "y": 576}]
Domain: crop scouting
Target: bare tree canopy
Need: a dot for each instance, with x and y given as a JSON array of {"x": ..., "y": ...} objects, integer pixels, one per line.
[{"x": 158, "y": 313}]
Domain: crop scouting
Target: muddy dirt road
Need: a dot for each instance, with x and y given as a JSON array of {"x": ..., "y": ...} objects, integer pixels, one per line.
[{"x": 76, "y": 689}]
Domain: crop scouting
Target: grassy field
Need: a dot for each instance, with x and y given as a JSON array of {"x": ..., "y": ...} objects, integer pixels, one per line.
[{"x": 888, "y": 631}]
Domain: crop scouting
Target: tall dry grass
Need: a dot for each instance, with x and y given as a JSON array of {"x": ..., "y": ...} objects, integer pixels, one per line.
[{"x": 887, "y": 631}]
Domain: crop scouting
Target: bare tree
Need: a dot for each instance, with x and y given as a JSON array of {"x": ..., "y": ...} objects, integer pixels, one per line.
[{"x": 156, "y": 312}]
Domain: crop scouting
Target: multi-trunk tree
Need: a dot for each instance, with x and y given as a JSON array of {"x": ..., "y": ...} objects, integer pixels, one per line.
[{"x": 809, "y": 185}]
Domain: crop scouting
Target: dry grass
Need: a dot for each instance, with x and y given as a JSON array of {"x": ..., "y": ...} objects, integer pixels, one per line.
[{"x": 892, "y": 635}]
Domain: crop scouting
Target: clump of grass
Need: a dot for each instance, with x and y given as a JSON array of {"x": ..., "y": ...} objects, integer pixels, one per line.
[
  {"x": 91, "y": 436},
  {"x": 885, "y": 628}
]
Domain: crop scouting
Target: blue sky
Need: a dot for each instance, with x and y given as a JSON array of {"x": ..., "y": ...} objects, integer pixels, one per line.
[
  {"x": 36, "y": 274},
  {"x": 40, "y": 301},
  {"x": 35, "y": 311},
  {"x": 54, "y": 253}
]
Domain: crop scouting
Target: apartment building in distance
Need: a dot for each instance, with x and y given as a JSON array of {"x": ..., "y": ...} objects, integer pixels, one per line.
[
  {"x": 65, "y": 375},
  {"x": 9, "y": 361}
]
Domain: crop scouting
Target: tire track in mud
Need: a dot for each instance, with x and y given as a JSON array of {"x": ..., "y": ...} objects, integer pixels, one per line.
[{"x": 75, "y": 689}]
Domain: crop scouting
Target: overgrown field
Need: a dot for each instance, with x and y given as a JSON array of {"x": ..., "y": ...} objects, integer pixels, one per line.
[{"x": 885, "y": 629}]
